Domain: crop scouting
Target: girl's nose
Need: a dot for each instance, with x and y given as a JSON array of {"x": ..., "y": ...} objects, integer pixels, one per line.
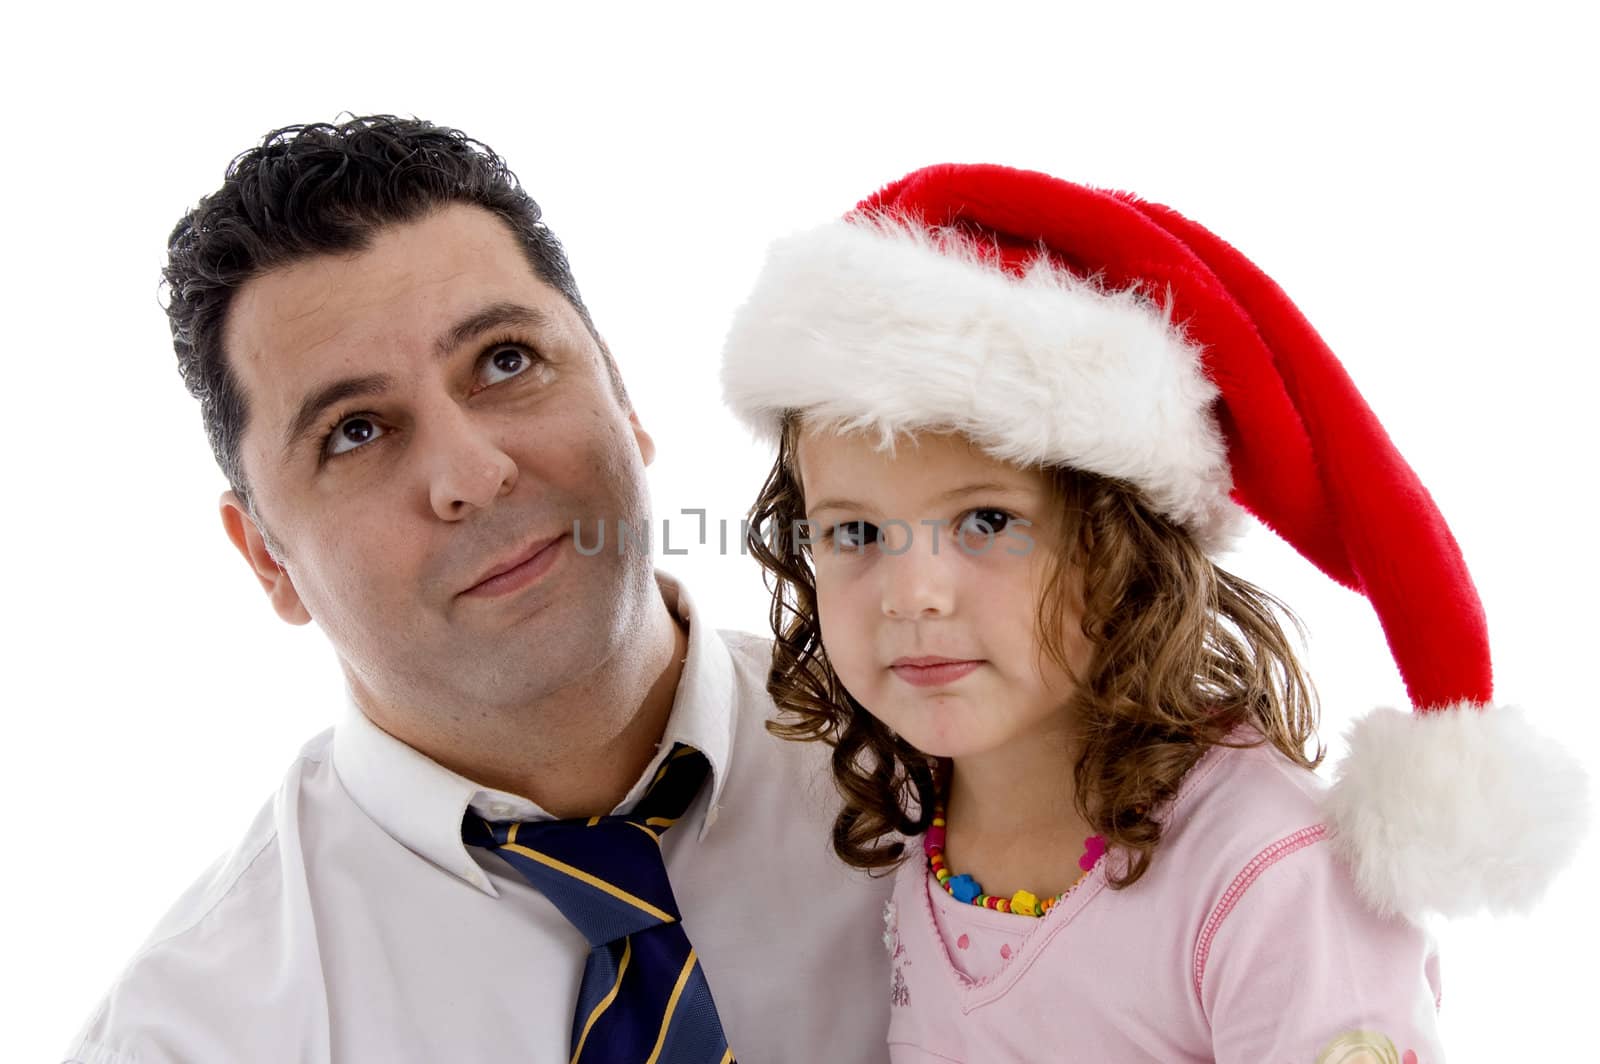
[{"x": 919, "y": 573}]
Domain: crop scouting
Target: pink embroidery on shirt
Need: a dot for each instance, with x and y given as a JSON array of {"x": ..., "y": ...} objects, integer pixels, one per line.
[
  {"x": 1241, "y": 883},
  {"x": 1005, "y": 951},
  {"x": 963, "y": 942},
  {"x": 899, "y": 992},
  {"x": 891, "y": 930}
]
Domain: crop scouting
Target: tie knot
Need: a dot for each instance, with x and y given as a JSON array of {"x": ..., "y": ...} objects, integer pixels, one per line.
[{"x": 605, "y": 873}]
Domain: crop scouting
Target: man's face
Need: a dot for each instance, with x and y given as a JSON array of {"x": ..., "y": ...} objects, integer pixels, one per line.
[{"x": 476, "y": 421}]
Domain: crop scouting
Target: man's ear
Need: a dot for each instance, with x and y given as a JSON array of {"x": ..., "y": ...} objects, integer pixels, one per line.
[
  {"x": 647, "y": 443},
  {"x": 246, "y": 536}
]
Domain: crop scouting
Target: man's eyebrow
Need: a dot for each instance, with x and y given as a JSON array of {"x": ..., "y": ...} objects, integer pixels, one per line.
[
  {"x": 953, "y": 493},
  {"x": 497, "y": 315},
  {"x": 312, "y": 406}
]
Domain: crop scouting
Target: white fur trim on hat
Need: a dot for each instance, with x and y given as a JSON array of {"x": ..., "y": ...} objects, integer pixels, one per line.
[
  {"x": 885, "y": 327},
  {"x": 1455, "y": 809}
]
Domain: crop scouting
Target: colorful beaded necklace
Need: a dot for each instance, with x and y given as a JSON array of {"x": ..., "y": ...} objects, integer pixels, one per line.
[{"x": 966, "y": 889}]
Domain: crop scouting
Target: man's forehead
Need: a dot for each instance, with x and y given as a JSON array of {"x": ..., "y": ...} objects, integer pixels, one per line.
[{"x": 411, "y": 275}]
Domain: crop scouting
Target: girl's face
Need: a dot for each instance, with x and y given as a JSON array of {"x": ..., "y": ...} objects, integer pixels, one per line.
[{"x": 937, "y": 552}]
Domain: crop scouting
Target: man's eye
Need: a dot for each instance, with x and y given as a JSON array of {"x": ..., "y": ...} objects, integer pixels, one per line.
[
  {"x": 354, "y": 431},
  {"x": 507, "y": 360},
  {"x": 853, "y": 535}
]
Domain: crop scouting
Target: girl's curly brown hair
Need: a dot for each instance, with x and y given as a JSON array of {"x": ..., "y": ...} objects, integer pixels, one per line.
[{"x": 1183, "y": 652}]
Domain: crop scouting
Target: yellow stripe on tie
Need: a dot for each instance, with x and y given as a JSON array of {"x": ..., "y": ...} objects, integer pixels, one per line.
[
  {"x": 727, "y": 1056},
  {"x": 511, "y": 836},
  {"x": 594, "y": 881},
  {"x": 605, "y": 1002},
  {"x": 662, "y": 771},
  {"x": 593, "y": 821},
  {"x": 641, "y": 827},
  {"x": 672, "y": 1004},
  {"x": 660, "y": 821}
]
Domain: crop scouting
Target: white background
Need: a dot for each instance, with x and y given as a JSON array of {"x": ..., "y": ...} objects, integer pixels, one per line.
[{"x": 1421, "y": 180}]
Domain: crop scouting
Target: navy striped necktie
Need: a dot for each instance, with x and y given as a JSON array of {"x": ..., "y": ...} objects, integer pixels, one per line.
[{"x": 643, "y": 998}]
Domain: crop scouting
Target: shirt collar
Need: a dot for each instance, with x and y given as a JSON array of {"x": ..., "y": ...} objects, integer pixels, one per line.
[{"x": 420, "y": 803}]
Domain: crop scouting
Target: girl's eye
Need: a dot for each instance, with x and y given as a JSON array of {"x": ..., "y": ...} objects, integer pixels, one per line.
[
  {"x": 980, "y": 525},
  {"x": 351, "y": 432},
  {"x": 984, "y": 522},
  {"x": 854, "y": 535},
  {"x": 506, "y": 359}
]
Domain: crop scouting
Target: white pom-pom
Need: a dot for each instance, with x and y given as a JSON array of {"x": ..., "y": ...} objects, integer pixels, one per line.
[{"x": 1455, "y": 810}]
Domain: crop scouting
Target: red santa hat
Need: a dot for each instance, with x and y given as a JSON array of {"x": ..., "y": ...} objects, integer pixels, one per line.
[{"x": 1056, "y": 324}]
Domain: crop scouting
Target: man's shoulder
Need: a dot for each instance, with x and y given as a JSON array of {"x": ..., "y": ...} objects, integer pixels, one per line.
[
  {"x": 751, "y": 655},
  {"x": 747, "y": 647},
  {"x": 248, "y": 877},
  {"x": 212, "y": 952},
  {"x": 766, "y": 761}
]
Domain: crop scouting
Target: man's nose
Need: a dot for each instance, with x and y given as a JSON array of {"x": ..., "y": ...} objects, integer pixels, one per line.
[
  {"x": 918, "y": 567},
  {"x": 467, "y": 469}
]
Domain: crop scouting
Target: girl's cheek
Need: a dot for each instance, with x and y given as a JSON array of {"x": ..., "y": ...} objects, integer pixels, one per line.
[
  {"x": 846, "y": 611},
  {"x": 833, "y": 605}
]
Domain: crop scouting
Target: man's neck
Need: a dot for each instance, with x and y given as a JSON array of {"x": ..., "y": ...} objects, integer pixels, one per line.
[{"x": 567, "y": 754}]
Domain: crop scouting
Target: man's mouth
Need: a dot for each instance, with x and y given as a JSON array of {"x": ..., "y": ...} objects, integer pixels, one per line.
[{"x": 517, "y": 570}]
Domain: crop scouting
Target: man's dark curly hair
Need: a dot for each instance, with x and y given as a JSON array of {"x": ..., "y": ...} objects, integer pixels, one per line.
[{"x": 317, "y": 189}]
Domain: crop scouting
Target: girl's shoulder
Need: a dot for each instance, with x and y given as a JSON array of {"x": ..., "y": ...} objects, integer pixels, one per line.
[
  {"x": 1241, "y": 805},
  {"x": 1277, "y": 918},
  {"x": 1253, "y": 768}
]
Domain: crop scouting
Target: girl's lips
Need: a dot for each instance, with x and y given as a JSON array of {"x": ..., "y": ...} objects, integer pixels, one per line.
[{"x": 934, "y": 675}]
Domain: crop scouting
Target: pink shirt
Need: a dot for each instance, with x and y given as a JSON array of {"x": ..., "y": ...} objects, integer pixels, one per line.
[{"x": 1244, "y": 942}]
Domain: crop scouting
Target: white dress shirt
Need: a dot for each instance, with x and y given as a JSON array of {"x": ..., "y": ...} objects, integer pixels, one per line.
[{"x": 353, "y": 924}]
